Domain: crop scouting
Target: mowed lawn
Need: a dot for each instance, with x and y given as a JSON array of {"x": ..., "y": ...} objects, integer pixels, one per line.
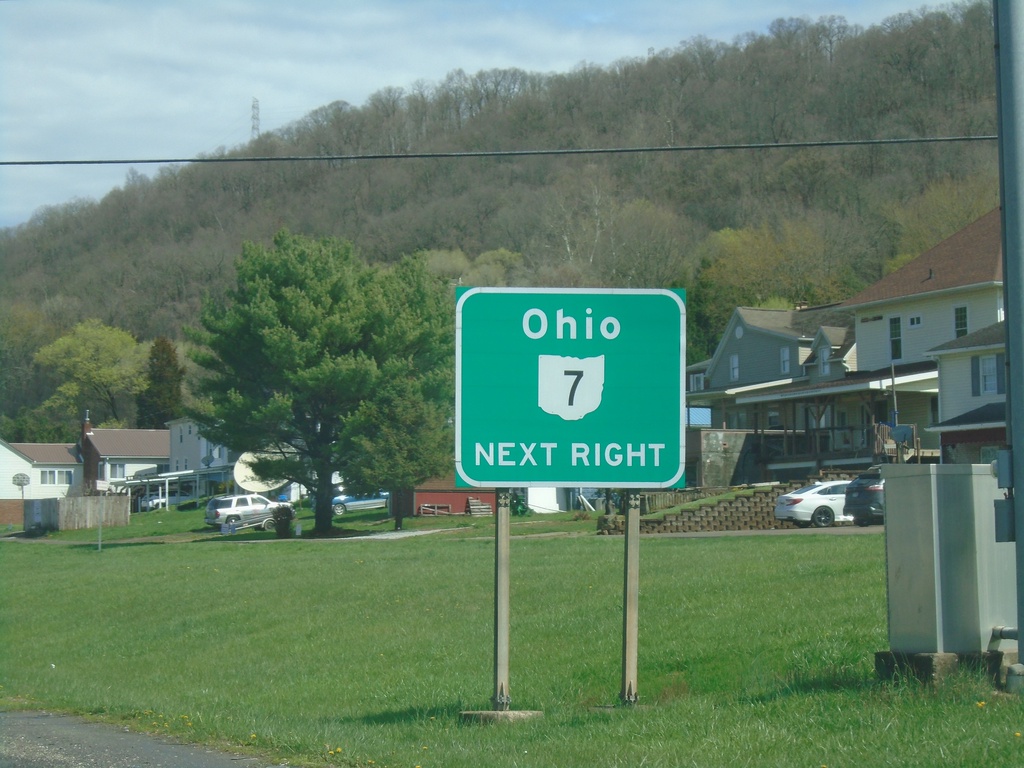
[{"x": 754, "y": 650}]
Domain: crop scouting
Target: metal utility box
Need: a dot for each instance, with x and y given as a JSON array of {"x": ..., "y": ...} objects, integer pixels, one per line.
[{"x": 949, "y": 582}]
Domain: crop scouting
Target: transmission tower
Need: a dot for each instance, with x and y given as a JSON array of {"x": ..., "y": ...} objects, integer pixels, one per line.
[{"x": 255, "y": 118}]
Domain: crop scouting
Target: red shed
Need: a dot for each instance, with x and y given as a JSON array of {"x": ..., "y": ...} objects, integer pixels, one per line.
[{"x": 441, "y": 496}]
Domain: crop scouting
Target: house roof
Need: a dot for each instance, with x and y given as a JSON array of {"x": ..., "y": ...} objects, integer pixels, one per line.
[
  {"x": 972, "y": 256},
  {"x": 800, "y": 325},
  {"x": 47, "y": 453},
  {"x": 907, "y": 375},
  {"x": 989, "y": 415},
  {"x": 990, "y": 336},
  {"x": 447, "y": 483},
  {"x": 128, "y": 443},
  {"x": 837, "y": 337},
  {"x": 797, "y": 323},
  {"x": 841, "y": 341}
]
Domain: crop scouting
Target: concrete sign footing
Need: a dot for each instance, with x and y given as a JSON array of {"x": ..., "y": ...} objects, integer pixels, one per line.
[
  {"x": 934, "y": 667},
  {"x": 1015, "y": 678}
]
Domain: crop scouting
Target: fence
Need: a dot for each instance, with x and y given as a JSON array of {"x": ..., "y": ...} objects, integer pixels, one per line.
[{"x": 75, "y": 512}]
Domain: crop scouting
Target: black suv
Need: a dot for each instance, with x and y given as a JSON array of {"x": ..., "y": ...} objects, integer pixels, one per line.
[{"x": 865, "y": 498}]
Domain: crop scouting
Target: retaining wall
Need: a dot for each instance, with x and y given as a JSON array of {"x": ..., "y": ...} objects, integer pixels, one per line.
[{"x": 751, "y": 512}]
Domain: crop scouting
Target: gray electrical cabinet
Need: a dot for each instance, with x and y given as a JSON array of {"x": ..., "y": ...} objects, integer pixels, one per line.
[{"x": 949, "y": 581}]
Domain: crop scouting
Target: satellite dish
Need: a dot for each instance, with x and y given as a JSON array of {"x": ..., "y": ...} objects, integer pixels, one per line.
[
  {"x": 903, "y": 433},
  {"x": 246, "y": 479}
]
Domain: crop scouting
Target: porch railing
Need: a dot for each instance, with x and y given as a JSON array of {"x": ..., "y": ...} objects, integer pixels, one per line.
[
  {"x": 874, "y": 441},
  {"x": 826, "y": 441},
  {"x": 886, "y": 446}
]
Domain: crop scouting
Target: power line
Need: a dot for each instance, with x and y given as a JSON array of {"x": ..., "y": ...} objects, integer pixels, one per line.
[{"x": 508, "y": 152}]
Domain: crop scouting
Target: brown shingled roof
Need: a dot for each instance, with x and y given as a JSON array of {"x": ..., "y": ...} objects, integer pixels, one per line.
[
  {"x": 972, "y": 256},
  {"x": 989, "y": 336},
  {"x": 47, "y": 453},
  {"x": 139, "y": 443}
]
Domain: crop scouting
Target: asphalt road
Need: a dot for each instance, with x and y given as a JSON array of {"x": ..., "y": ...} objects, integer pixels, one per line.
[{"x": 44, "y": 740}]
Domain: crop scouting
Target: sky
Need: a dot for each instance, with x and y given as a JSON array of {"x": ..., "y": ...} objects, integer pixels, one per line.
[{"x": 152, "y": 79}]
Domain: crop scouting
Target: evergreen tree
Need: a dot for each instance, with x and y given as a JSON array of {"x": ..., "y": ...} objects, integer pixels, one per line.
[
  {"x": 161, "y": 400},
  {"x": 312, "y": 351}
]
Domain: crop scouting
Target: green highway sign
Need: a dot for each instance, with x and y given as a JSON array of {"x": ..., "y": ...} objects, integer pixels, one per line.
[{"x": 566, "y": 387}]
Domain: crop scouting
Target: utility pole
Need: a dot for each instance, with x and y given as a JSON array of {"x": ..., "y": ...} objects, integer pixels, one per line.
[{"x": 1009, "y": 29}]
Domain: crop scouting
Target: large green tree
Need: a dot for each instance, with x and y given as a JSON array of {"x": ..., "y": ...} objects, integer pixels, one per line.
[
  {"x": 100, "y": 369},
  {"x": 321, "y": 365}
]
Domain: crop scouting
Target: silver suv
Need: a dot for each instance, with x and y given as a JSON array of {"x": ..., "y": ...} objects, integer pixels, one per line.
[{"x": 242, "y": 511}]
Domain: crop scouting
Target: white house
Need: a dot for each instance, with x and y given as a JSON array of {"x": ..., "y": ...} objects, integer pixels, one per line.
[
  {"x": 799, "y": 398},
  {"x": 190, "y": 451},
  {"x": 35, "y": 471},
  {"x": 195, "y": 467},
  {"x": 52, "y": 469},
  {"x": 972, "y": 396},
  {"x": 112, "y": 456},
  {"x": 945, "y": 293}
]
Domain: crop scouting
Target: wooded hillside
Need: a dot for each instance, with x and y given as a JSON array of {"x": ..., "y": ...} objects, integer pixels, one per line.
[{"x": 767, "y": 224}]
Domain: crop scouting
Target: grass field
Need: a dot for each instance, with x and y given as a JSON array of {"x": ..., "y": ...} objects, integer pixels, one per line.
[{"x": 754, "y": 650}]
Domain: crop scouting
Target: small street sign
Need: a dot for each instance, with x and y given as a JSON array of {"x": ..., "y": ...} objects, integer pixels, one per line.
[{"x": 567, "y": 387}]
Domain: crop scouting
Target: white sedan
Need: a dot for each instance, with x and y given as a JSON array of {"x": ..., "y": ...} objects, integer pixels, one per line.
[{"x": 819, "y": 504}]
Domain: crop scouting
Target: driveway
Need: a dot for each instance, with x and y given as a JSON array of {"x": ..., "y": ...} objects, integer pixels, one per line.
[{"x": 44, "y": 740}]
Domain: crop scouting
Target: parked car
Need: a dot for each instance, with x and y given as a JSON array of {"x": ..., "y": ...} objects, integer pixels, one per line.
[
  {"x": 865, "y": 498},
  {"x": 345, "y": 502},
  {"x": 158, "y": 502},
  {"x": 243, "y": 511},
  {"x": 818, "y": 504}
]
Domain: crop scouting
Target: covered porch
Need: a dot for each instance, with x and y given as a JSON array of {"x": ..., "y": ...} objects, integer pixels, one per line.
[{"x": 791, "y": 431}]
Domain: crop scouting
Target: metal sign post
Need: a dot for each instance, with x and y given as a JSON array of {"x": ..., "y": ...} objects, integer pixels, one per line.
[
  {"x": 501, "y": 699},
  {"x": 631, "y": 601}
]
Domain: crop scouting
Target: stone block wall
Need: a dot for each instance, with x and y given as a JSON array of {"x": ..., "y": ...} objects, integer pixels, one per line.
[{"x": 750, "y": 512}]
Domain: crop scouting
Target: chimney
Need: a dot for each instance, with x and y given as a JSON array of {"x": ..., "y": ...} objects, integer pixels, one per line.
[{"x": 80, "y": 448}]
